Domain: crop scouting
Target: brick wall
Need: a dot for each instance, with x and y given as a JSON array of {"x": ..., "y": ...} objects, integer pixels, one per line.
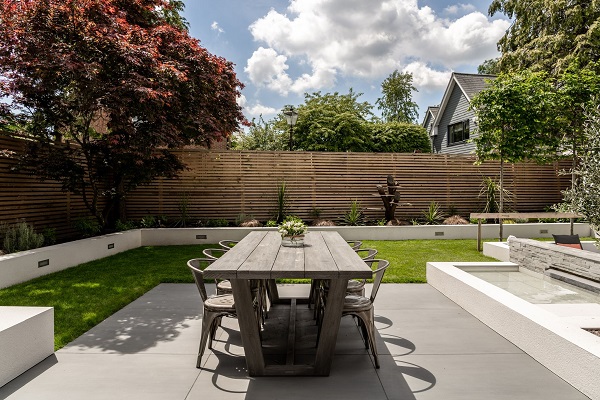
[{"x": 540, "y": 256}]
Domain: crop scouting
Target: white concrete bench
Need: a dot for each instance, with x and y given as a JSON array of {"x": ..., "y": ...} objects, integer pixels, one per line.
[{"x": 26, "y": 338}]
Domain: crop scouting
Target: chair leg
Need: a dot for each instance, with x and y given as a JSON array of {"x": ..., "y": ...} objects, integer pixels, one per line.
[
  {"x": 368, "y": 322},
  {"x": 208, "y": 320}
]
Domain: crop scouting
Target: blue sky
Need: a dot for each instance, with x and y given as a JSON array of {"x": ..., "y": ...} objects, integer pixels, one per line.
[{"x": 282, "y": 49}]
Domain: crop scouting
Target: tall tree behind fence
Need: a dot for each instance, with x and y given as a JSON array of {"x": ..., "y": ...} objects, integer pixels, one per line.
[{"x": 225, "y": 184}]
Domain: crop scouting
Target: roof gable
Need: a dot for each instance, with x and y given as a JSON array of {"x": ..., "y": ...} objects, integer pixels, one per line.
[{"x": 469, "y": 84}]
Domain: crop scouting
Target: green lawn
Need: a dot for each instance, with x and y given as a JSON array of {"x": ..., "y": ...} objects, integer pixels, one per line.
[{"x": 87, "y": 294}]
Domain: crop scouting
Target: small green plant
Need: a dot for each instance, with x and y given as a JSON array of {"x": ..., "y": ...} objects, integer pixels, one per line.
[
  {"x": 433, "y": 215},
  {"x": 217, "y": 223},
  {"x": 315, "y": 213},
  {"x": 380, "y": 222},
  {"x": 354, "y": 216},
  {"x": 282, "y": 202},
  {"x": 184, "y": 211},
  {"x": 490, "y": 190},
  {"x": 49, "y": 236},
  {"x": 121, "y": 226},
  {"x": 271, "y": 223},
  {"x": 21, "y": 237},
  {"x": 87, "y": 226},
  {"x": 148, "y": 222}
]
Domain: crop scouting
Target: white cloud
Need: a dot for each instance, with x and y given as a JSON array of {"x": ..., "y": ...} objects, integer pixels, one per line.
[
  {"x": 358, "y": 38},
  {"x": 267, "y": 68},
  {"x": 215, "y": 27},
  {"x": 460, "y": 8},
  {"x": 241, "y": 101},
  {"x": 259, "y": 109},
  {"x": 426, "y": 77}
]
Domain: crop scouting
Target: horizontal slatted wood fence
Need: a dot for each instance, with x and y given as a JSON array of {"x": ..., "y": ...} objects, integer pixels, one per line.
[
  {"x": 223, "y": 185},
  {"x": 43, "y": 204}
]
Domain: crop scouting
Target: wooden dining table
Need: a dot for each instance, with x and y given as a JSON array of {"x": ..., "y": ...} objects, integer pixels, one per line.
[{"x": 325, "y": 255}]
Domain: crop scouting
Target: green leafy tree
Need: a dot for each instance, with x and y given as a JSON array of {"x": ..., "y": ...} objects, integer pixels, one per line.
[
  {"x": 333, "y": 122},
  {"x": 105, "y": 88},
  {"x": 263, "y": 135},
  {"x": 548, "y": 35},
  {"x": 488, "y": 67},
  {"x": 399, "y": 137},
  {"x": 514, "y": 117},
  {"x": 576, "y": 89},
  {"x": 396, "y": 104},
  {"x": 584, "y": 197}
]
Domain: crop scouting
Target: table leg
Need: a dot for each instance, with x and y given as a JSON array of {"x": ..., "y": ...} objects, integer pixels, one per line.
[
  {"x": 248, "y": 326},
  {"x": 330, "y": 326}
]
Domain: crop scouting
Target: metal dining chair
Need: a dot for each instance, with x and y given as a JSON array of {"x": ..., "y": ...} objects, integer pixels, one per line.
[
  {"x": 223, "y": 285},
  {"x": 360, "y": 307},
  {"x": 357, "y": 286},
  {"x": 259, "y": 287},
  {"x": 228, "y": 244},
  {"x": 355, "y": 244},
  {"x": 214, "y": 307}
]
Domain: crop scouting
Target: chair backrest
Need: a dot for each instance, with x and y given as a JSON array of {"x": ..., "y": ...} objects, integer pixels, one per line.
[
  {"x": 380, "y": 267},
  {"x": 568, "y": 241},
  {"x": 214, "y": 253},
  {"x": 366, "y": 254},
  {"x": 196, "y": 265},
  {"x": 227, "y": 244},
  {"x": 355, "y": 244}
]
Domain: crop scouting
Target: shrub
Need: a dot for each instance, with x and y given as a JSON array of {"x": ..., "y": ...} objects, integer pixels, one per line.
[
  {"x": 251, "y": 223},
  {"x": 124, "y": 225},
  {"x": 217, "y": 223},
  {"x": 323, "y": 222},
  {"x": 22, "y": 237},
  {"x": 433, "y": 215},
  {"x": 400, "y": 137},
  {"x": 87, "y": 227},
  {"x": 354, "y": 216},
  {"x": 271, "y": 223},
  {"x": 455, "y": 220}
]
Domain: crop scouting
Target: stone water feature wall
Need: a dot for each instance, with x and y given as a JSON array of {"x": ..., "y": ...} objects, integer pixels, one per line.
[{"x": 540, "y": 256}]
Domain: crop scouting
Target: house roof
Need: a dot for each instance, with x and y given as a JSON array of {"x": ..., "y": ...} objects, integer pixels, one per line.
[
  {"x": 469, "y": 84},
  {"x": 433, "y": 110}
]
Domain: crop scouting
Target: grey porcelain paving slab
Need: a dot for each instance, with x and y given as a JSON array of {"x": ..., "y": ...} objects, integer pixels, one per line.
[
  {"x": 105, "y": 376},
  {"x": 436, "y": 331},
  {"x": 476, "y": 377},
  {"x": 410, "y": 295},
  {"x": 352, "y": 377}
]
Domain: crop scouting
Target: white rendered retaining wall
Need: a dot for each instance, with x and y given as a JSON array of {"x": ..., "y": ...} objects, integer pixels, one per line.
[
  {"x": 565, "y": 349},
  {"x": 26, "y": 338},
  {"x": 26, "y": 265}
]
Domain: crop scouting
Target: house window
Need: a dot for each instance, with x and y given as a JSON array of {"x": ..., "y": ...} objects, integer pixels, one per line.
[{"x": 458, "y": 132}]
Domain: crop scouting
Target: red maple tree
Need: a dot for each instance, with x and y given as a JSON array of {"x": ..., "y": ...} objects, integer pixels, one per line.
[{"x": 105, "y": 88}]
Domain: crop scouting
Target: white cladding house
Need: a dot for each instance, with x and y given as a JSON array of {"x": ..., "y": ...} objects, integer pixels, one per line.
[{"x": 451, "y": 124}]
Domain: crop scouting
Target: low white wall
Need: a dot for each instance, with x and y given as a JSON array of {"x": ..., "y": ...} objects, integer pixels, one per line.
[
  {"x": 565, "y": 349},
  {"x": 497, "y": 250},
  {"x": 26, "y": 265},
  {"x": 26, "y": 338}
]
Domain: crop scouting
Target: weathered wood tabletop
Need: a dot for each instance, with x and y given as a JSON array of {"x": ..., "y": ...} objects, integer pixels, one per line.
[{"x": 325, "y": 255}]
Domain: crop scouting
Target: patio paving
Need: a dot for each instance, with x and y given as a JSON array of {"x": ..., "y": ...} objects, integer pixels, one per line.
[{"x": 429, "y": 349}]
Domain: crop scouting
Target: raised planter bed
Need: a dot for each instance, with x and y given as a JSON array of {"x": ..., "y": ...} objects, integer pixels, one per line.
[
  {"x": 26, "y": 265},
  {"x": 26, "y": 338}
]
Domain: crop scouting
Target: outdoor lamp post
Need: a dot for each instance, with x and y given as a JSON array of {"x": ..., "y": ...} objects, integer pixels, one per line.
[{"x": 291, "y": 115}]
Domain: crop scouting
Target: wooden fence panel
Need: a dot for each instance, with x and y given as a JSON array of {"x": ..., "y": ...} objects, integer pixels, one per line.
[
  {"x": 223, "y": 185},
  {"x": 43, "y": 204}
]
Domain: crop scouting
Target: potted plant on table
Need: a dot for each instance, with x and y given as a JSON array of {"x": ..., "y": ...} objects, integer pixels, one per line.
[{"x": 292, "y": 232}]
